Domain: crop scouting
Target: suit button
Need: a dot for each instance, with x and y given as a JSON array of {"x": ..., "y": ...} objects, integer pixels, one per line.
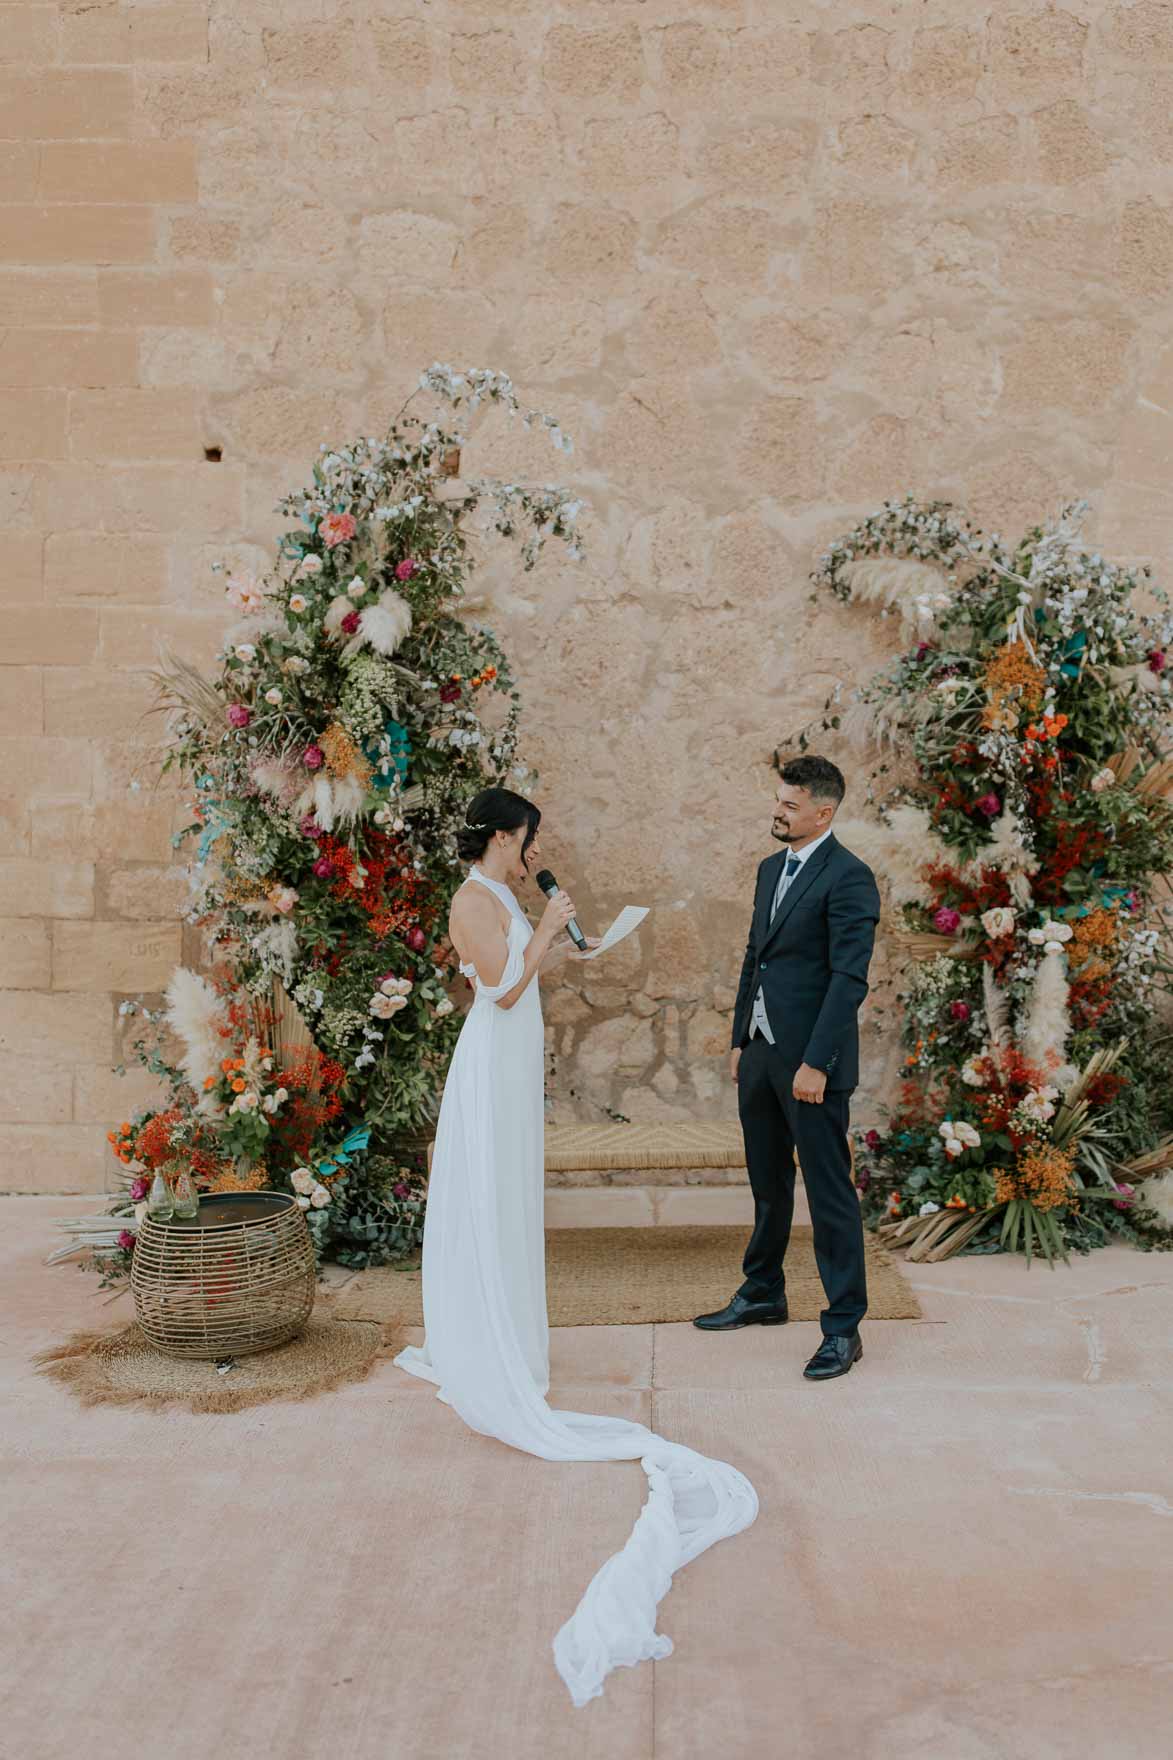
[{"x": 764, "y": 964}]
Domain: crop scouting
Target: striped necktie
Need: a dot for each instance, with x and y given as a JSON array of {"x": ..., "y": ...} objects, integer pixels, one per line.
[{"x": 793, "y": 864}]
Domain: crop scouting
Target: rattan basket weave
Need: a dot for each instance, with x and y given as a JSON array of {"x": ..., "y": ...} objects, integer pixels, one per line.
[{"x": 239, "y": 1279}]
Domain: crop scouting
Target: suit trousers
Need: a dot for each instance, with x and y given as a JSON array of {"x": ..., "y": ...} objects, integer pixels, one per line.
[{"x": 774, "y": 1124}]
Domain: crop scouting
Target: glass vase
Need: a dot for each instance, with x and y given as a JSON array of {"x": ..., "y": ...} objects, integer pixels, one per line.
[
  {"x": 187, "y": 1199},
  {"x": 160, "y": 1203}
]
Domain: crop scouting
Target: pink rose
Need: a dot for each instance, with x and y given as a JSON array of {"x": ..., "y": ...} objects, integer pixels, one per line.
[
  {"x": 1158, "y": 660},
  {"x": 323, "y": 867},
  {"x": 126, "y": 1241},
  {"x": 872, "y": 1139},
  {"x": 401, "y": 1191},
  {"x": 959, "y": 1010},
  {"x": 416, "y": 940},
  {"x": 1125, "y": 1200},
  {"x": 313, "y": 757},
  {"x": 405, "y": 569},
  {"x": 947, "y": 921},
  {"x": 449, "y": 693},
  {"x": 309, "y": 827},
  {"x": 337, "y": 528},
  {"x": 990, "y": 805},
  {"x": 349, "y": 623},
  {"x": 238, "y": 715},
  {"x": 138, "y": 1190}
]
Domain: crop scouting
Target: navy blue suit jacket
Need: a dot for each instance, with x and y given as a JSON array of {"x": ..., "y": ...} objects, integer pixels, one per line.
[{"x": 812, "y": 960}]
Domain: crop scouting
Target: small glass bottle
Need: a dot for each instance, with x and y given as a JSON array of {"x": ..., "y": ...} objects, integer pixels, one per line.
[
  {"x": 187, "y": 1199},
  {"x": 160, "y": 1203}
]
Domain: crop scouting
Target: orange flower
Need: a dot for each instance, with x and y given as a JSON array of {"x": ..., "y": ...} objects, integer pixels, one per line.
[
  {"x": 225, "y": 1064},
  {"x": 238, "y": 1063},
  {"x": 238, "y": 1086},
  {"x": 209, "y": 1082}
]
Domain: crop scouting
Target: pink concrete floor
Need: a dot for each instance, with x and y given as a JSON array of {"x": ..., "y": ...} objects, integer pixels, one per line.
[{"x": 962, "y": 1551}]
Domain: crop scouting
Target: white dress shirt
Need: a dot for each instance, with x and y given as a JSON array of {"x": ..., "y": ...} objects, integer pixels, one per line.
[{"x": 759, "y": 1020}]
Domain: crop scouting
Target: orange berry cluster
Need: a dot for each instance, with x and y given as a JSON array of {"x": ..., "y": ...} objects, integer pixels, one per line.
[
  {"x": 122, "y": 1142},
  {"x": 485, "y": 676}
]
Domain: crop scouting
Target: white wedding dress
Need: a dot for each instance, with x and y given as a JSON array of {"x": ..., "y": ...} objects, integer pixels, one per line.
[{"x": 487, "y": 1341}]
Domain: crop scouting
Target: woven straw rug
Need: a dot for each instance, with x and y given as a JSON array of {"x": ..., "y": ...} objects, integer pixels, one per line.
[
  {"x": 636, "y": 1276},
  {"x": 123, "y": 1369},
  {"x": 605, "y": 1146}
]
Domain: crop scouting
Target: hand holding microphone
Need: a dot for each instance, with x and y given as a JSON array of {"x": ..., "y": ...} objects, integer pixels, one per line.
[{"x": 559, "y": 913}]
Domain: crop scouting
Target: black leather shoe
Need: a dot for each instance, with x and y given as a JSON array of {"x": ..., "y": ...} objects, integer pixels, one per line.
[
  {"x": 744, "y": 1312},
  {"x": 834, "y": 1357}
]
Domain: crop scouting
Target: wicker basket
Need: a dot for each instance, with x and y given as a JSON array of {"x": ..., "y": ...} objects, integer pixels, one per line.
[{"x": 238, "y": 1279}]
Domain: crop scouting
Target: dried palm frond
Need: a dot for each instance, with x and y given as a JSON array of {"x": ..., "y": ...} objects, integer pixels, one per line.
[
  {"x": 291, "y": 1037},
  {"x": 940, "y": 1234},
  {"x": 914, "y": 590},
  {"x": 1125, "y": 762},
  {"x": 182, "y": 689},
  {"x": 1158, "y": 1159},
  {"x": 997, "y": 1005},
  {"x": 1157, "y": 781},
  {"x": 1074, "y": 1105},
  {"x": 911, "y": 944}
]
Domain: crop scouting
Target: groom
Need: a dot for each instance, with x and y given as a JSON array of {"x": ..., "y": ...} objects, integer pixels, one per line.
[{"x": 795, "y": 1060}]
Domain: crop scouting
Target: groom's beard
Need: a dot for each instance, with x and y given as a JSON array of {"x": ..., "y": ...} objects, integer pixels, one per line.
[{"x": 781, "y": 833}]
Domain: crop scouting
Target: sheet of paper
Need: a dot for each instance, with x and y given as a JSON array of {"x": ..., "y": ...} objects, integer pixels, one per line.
[{"x": 629, "y": 918}]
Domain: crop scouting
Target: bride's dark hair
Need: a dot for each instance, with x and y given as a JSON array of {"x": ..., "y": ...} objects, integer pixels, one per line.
[{"x": 493, "y": 810}]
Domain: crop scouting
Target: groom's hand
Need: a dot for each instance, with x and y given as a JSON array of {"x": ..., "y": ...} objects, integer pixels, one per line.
[{"x": 810, "y": 1084}]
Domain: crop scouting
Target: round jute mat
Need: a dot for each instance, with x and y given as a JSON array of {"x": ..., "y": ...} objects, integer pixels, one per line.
[
  {"x": 636, "y": 1276},
  {"x": 124, "y": 1369}
]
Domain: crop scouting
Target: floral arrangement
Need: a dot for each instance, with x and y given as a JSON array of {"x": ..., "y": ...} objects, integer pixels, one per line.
[
  {"x": 356, "y": 708},
  {"x": 1024, "y": 824}
]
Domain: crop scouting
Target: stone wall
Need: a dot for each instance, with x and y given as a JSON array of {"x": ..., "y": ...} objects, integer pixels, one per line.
[{"x": 769, "y": 262}]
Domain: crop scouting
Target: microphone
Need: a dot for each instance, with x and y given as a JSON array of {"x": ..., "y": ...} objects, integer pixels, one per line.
[{"x": 550, "y": 886}]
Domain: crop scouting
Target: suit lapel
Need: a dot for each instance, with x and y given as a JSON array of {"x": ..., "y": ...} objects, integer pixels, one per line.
[
  {"x": 803, "y": 879},
  {"x": 766, "y": 890}
]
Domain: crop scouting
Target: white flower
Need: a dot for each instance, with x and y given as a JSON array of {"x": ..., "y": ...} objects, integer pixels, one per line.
[
  {"x": 1038, "y": 1104},
  {"x": 246, "y": 1102},
  {"x": 302, "y": 1180},
  {"x": 1103, "y": 779},
  {"x": 1052, "y": 947},
  {"x": 928, "y": 1208},
  {"x": 320, "y": 1197},
  {"x": 295, "y": 665},
  {"x": 1036, "y": 937},
  {"x": 302, "y": 1203},
  {"x": 245, "y": 651},
  {"x": 396, "y": 986},
  {"x": 307, "y": 566},
  {"x": 245, "y": 593},
  {"x": 273, "y": 696},
  {"x": 966, "y": 1134},
  {"x": 298, "y": 602},
  {"x": 999, "y": 921},
  {"x": 356, "y": 587},
  {"x": 385, "y": 1006},
  {"x": 1058, "y": 931},
  {"x": 954, "y": 1148},
  {"x": 444, "y": 1006},
  {"x": 283, "y": 899}
]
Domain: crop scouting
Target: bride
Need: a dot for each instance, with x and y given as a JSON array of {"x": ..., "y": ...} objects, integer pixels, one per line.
[{"x": 484, "y": 1281}]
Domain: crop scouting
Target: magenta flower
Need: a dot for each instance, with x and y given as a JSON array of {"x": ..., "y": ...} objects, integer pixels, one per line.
[
  {"x": 401, "y": 1190},
  {"x": 872, "y": 1139},
  {"x": 238, "y": 715},
  {"x": 349, "y": 623},
  {"x": 449, "y": 693},
  {"x": 313, "y": 757},
  {"x": 337, "y": 528},
  {"x": 138, "y": 1190},
  {"x": 416, "y": 940},
  {"x": 863, "y": 1179},
  {"x": 923, "y": 648},
  {"x": 990, "y": 805},
  {"x": 126, "y": 1241},
  {"x": 959, "y": 1010},
  {"x": 1158, "y": 660},
  {"x": 405, "y": 569},
  {"x": 309, "y": 827},
  {"x": 947, "y": 921},
  {"x": 323, "y": 867},
  {"x": 1126, "y": 1198}
]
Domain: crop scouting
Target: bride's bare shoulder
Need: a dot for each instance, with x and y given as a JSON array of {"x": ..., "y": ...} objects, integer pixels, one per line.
[{"x": 474, "y": 908}]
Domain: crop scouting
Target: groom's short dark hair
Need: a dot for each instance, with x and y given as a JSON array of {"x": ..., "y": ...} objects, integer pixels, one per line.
[{"x": 822, "y": 780}]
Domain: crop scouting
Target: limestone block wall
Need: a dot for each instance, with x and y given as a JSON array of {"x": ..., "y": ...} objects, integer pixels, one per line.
[{"x": 769, "y": 261}]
